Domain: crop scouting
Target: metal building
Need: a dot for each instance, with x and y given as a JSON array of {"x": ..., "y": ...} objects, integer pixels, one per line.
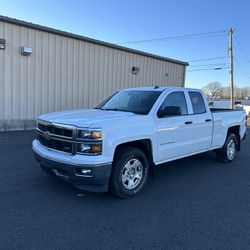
[{"x": 44, "y": 70}]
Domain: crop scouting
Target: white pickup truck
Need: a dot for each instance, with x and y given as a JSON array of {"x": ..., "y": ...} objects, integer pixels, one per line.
[{"x": 114, "y": 146}]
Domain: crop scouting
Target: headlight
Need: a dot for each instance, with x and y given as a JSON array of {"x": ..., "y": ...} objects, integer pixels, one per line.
[
  {"x": 95, "y": 134},
  {"x": 85, "y": 148},
  {"x": 89, "y": 141}
]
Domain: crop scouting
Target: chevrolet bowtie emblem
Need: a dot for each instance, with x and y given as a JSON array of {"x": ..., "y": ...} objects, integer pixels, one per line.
[{"x": 47, "y": 135}]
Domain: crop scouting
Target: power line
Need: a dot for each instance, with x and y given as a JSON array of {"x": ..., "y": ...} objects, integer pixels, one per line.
[
  {"x": 242, "y": 49},
  {"x": 208, "y": 59},
  {"x": 181, "y": 37},
  {"x": 210, "y": 64},
  {"x": 242, "y": 69},
  {"x": 166, "y": 39},
  {"x": 219, "y": 68}
]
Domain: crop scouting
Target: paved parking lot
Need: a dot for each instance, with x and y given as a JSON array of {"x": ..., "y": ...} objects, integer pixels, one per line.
[{"x": 194, "y": 203}]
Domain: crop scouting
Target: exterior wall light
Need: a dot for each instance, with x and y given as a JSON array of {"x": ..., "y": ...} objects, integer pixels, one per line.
[
  {"x": 2, "y": 43},
  {"x": 26, "y": 51},
  {"x": 135, "y": 70}
]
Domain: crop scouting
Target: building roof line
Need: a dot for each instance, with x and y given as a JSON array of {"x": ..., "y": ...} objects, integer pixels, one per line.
[{"x": 86, "y": 39}]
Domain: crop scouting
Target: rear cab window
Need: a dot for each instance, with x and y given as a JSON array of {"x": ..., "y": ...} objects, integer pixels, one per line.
[{"x": 197, "y": 102}]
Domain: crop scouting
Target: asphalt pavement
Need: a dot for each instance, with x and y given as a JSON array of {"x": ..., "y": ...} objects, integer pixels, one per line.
[{"x": 193, "y": 203}]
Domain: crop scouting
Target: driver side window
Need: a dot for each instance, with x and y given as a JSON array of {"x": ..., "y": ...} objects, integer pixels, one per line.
[{"x": 175, "y": 100}]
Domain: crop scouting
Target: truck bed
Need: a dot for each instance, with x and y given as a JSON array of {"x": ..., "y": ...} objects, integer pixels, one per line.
[{"x": 213, "y": 110}]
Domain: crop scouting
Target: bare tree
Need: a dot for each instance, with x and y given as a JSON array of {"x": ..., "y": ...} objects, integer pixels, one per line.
[
  {"x": 246, "y": 92},
  {"x": 238, "y": 93},
  {"x": 225, "y": 93},
  {"x": 213, "y": 90}
]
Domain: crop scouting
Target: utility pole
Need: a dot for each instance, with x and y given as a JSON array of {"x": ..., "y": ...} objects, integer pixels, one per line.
[{"x": 231, "y": 67}]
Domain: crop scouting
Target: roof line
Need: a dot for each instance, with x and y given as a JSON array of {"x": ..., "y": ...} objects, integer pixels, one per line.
[{"x": 86, "y": 39}]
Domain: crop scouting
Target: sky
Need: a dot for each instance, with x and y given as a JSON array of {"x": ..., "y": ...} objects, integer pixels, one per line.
[{"x": 137, "y": 20}]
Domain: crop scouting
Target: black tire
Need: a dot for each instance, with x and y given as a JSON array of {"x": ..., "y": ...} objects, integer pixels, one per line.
[
  {"x": 228, "y": 152},
  {"x": 121, "y": 178}
]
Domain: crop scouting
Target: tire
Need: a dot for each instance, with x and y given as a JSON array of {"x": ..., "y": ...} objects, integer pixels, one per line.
[
  {"x": 228, "y": 152},
  {"x": 129, "y": 172}
]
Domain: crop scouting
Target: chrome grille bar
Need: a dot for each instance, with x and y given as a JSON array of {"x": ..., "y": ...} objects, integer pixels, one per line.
[{"x": 57, "y": 136}]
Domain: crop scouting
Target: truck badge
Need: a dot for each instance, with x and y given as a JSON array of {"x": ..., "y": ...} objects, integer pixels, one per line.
[{"x": 47, "y": 135}]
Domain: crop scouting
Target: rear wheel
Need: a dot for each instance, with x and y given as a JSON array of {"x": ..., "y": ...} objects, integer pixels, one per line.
[
  {"x": 228, "y": 152},
  {"x": 129, "y": 172}
]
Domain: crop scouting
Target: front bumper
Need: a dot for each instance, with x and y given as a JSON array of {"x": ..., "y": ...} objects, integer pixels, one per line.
[
  {"x": 93, "y": 178},
  {"x": 245, "y": 135}
]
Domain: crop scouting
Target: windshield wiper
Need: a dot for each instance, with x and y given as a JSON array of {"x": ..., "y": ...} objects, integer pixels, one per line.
[
  {"x": 110, "y": 109},
  {"x": 115, "y": 109}
]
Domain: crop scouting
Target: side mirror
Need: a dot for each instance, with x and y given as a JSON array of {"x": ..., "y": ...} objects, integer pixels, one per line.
[{"x": 169, "y": 111}]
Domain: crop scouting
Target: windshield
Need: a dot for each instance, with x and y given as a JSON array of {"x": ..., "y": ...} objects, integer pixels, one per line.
[{"x": 138, "y": 102}]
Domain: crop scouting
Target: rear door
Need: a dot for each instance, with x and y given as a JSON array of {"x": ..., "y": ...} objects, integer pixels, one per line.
[
  {"x": 174, "y": 133},
  {"x": 202, "y": 122}
]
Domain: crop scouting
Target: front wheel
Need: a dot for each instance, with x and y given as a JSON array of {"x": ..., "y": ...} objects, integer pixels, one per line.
[
  {"x": 129, "y": 172},
  {"x": 228, "y": 152}
]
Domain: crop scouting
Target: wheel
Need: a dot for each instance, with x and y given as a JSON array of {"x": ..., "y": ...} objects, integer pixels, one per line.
[
  {"x": 228, "y": 152},
  {"x": 129, "y": 172}
]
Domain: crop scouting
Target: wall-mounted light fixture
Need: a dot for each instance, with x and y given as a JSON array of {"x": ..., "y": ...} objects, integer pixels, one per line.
[
  {"x": 2, "y": 43},
  {"x": 135, "y": 70},
  {"x": 26, "y": 51},
  {"x": 166, "y": 74}
]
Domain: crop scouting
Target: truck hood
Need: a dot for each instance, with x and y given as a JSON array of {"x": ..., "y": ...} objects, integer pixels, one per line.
[{"x": 84, "y": 117}]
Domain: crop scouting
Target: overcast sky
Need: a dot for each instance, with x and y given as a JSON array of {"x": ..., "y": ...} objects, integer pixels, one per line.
[{"x": 130, "y": 20}]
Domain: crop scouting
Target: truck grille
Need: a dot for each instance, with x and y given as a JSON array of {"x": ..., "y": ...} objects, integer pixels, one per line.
[
  {"x": 56, "y": 137},
  {"x": 55, "y": 144},
  {"x": 55, "y": 130}
]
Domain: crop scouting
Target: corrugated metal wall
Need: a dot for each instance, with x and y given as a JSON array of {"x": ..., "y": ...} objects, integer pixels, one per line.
[{"x": 64, "y": 73}]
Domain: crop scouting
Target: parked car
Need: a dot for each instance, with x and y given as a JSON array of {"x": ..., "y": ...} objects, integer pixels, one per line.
[{"x": 114, "y": 146}]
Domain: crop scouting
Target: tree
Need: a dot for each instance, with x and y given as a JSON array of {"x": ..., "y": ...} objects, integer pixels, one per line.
[
  {"x": 225, "y": 93},
  {"x": 237, "y": 93},
  {"x": 245, "y": 92},
  {"x": 213, "y": 90}
]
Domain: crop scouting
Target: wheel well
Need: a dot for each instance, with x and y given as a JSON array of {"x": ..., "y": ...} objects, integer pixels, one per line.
[
  {"x": 144, "y": 145},
  {"x": 235, "y": 130}
]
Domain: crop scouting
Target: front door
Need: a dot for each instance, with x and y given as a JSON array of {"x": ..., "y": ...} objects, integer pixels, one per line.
[{"x": 175, "y": 133}]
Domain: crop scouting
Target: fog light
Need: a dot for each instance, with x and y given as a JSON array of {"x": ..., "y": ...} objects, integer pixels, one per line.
[
  {"x": 86, "y": 171},
  {"x": 83, "y": 172}
]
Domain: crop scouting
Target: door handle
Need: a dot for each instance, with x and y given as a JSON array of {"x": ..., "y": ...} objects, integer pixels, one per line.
[
  {"x": 208, "y": 120},
  {"x": 188, "y": 122}
]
